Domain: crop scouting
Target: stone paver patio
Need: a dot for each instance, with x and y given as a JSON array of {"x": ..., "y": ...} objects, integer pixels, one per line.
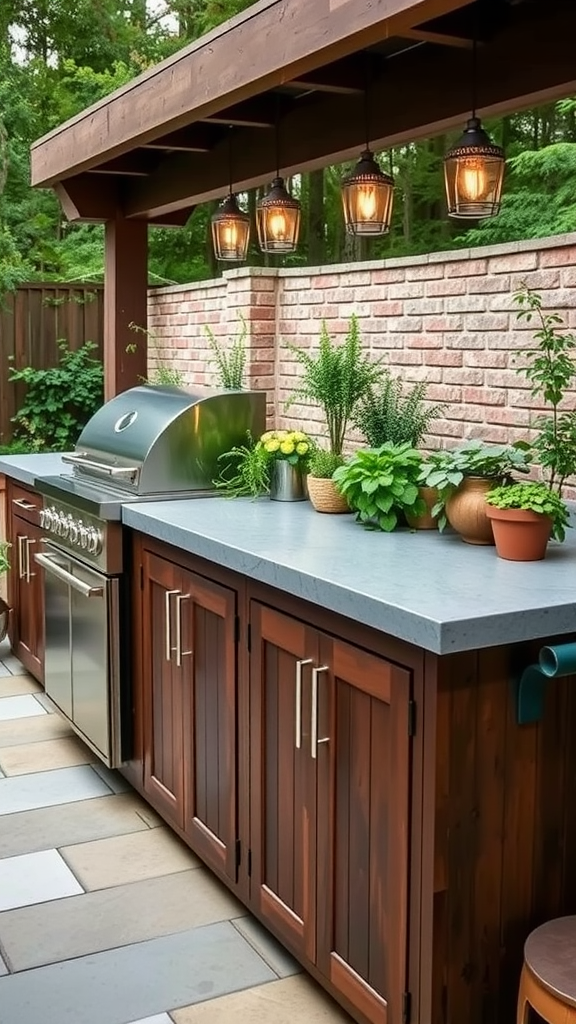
[{"x": 105, "y": 916}]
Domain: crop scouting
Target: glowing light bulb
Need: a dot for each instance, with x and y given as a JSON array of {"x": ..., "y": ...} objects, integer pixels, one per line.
[
  {"x": 277, "y": 225},
  {"x": 230, "y": 235},
  {"x": 472, "y": 180},
  {"x": 366, "y": 203}
]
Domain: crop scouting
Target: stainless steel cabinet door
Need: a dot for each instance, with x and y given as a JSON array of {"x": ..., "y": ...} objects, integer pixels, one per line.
[
  {"x": 89, "y": 656},
  {"x": 58, "y": 677}
]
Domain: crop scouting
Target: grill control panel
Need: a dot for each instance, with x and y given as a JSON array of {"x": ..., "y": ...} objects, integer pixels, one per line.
[
  {"x": 84, "y": 535},
  {"x": 72, "y": 528}
]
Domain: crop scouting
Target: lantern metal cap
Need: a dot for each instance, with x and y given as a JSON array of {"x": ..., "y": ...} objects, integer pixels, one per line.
[
  {"x": 229, "y": 209},
  {"x": 475, "y": 141},
  {"x": 367, "y": 170},
  {"x": 279, "y": 196}
]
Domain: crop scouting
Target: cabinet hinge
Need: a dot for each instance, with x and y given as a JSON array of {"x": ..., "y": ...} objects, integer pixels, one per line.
[
  {"x": 406, "y": 1007},
  {"x": 237, "y": 629},
  {"x": 249, "y": 863},
  {"x": 238, "y": 853},
  {"x": 249, "y": 637},
  {"x": 411, "y": 717},
  {"x": 141, "y": 577}
]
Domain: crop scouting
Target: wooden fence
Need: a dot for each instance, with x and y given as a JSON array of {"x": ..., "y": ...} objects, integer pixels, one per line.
[{"x": 33, "y": 319}]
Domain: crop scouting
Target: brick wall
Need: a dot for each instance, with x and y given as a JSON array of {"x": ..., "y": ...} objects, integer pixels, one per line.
[{"x": 447, "y": 318}]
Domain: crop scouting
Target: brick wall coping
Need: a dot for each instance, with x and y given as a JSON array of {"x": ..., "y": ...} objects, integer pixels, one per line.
[{"x": 447, "y": 256}]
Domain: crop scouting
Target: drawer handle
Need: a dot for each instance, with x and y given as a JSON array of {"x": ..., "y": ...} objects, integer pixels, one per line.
[
  {"x": 298, "y": 709},
  {"x": 26, "y": 505},
  {"x": 179, "y": 652},
  {"x": 314, "y": 741},
  {"x": 167, "y": 624},
  {"x": 29, "y": 574}
]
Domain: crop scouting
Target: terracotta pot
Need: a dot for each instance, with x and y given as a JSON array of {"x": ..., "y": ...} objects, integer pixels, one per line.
[
  {"x": 466, "y": 510},
  {"x": 324, "y": 496},
  {"x": 520, "y": 535},
  {"x": 426, "y": 521}
]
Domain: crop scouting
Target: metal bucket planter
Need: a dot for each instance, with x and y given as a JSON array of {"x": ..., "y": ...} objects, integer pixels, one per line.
[{"x": 287, "y": 482}]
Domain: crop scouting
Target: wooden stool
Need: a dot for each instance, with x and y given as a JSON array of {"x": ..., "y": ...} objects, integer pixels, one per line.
[{"x": 548, "y": 979}]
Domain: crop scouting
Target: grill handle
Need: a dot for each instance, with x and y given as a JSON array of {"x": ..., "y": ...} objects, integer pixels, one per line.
[
  {"x": 100, "y": 469},
  {"x": 83, "y": 588}
]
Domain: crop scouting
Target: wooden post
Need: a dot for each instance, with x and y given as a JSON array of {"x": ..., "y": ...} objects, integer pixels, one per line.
[{"x": 125, "y": 302}]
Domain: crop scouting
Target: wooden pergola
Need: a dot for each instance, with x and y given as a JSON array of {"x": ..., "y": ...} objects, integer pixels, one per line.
[{"x": 296, "y": 71}]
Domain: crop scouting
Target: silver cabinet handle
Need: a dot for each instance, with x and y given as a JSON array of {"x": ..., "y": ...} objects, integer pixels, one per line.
[
  {"x": 83, "y": 588},
  {"x": 314, "y": 741},
  {"x": 29, "y": 574},
  {"x": 27, "y": 505},
  {"x": 298, "y": 709},
  {"x": 179, "y": 652},
  {"x": 167, "y": 626},
  {"x": 21, "y": 557}
]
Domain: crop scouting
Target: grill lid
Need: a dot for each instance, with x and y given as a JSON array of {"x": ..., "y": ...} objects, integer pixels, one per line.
[{"x": 152, "y": 440}]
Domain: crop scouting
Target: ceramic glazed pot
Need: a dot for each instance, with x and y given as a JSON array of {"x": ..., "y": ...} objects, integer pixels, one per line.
[
  {"x": 325, "y": 497},
  {"x": 287, "y": 482},
  {"x": 520, "y": 535},
  {"x": 466, "y": 510},
  {"x": 427, "y": 521}
]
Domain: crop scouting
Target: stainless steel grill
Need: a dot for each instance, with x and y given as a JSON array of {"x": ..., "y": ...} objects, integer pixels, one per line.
[{"x": 147, "y": 444}]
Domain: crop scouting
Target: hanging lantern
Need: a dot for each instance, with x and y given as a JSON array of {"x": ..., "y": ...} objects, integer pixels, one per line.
[
  {"x": 367, "y": 198},
  {"x": 230, "y": 231},
  {"x": 278, "y": 219},
  {"x": 473, "y": 174}
]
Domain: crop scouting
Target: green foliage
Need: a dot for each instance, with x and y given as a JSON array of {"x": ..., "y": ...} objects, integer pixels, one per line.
[
  {"x": 337, "y": 377},
  {"x": 323, "y": 464},
  {"x": 381, "y": 483},
  {"x": 445, "y": 469},
  {"x": 245, "y": 472},
  {"x": 230, "y": 364},
  {"x": 60, "y": 400},
  {"x": 534, "y": 497},
  {"x": 4, "y": 558},
  {"x": 390, "y": 413},
  {"x": 551, "y": 370},
  {"x": 168, "y": 376}
]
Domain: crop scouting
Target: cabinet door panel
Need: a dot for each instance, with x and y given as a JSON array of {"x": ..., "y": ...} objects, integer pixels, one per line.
[
  {"x": 363, "y": 782},
  {"x": 27, "y": 597},
  {"x": 209, "y": 666},
  {"x": 283, "y": 779},
  {"x": 163, "y": 754}
]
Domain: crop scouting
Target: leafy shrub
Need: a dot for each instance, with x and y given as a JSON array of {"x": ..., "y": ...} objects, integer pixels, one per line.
[
  {"x": 392, "y": 413},
  {"x": 231, "y": 364},
  {"x": 60, "y": 400},
  {"x": 380, "y": 484},
  {"x": 245, "y": 471},
  {"x": 323, "y": 463}
]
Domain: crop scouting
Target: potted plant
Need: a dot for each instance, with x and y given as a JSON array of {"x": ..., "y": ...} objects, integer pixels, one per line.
[
  {"x": 381, "y": 484},
  {"x": 245, "y": 471},
  {"x": 321, "y": 488},
  {"x": 336, "y": 377},
  {"x": 288, "y": 454},
  {"x": 4, "y": 607},
  {"x": 389, "y": 412},
  {"x": 463, "y": 476},
  {"x": 524, "y": 516}
]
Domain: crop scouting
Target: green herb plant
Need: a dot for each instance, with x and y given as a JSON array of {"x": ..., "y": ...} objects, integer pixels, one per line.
[
  {"x": 163, "y": 375},
  {"x": 230, "y": 364},
  {"x": 336, "y": 377},
  {"x": 393, "y": 413},
  {"x": 323, "y": 463},
  {"x": 4, "y": 559},
  {"x": 245, "y": 471},
  {"x": 59, "y": 400},
  {"x": 446, "y": 469},
  {"x": 535, "y": 497},
  {"x": 551, "y": 371},
  {"x": 380, "y": 484}
]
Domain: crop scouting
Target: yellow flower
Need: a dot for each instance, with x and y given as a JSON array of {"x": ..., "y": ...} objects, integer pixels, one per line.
[
  {"x": 299, "y": 436},
  {"x": 272, "y": 446},
  {"x": 267, "y": 436},
  {"x": 281, "y": 434},
  {"x": 302, "y": 448},
  {"x": 287, "y": 447}
]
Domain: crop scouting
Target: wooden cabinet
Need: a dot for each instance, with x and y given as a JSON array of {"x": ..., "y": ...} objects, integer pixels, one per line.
[
  {"x": 25, "y": 580},
  {"x": 189, "y": 687},
  {"x": 330, "y": 760}
]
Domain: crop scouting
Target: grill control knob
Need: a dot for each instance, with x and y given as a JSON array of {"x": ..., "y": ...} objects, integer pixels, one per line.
[
  {"x": 48, "y": 517},
  {"x": 94, "y": 541},
  {"x": 83, "y": 536},
  {"x": 64, "y": 526},
  {"x": 73, "y": 531}
]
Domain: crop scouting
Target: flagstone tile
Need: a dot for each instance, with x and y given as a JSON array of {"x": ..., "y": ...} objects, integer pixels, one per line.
[
  {"x": 135, "y": 981},
  {"x": 296, "y": 1000},
  {"x": 128, "y": 858},
  {"x": 40, "y": 757},
  {"x": 108, "y": 918},
  {"x": 79, "y": 822},
  {"x": 22, "y": 706},
  {"x": 45, "y": 789},
  {"x": 3, "y": 967},
  {"x": 14, "y": 665},
  {"x": 35, "y": 878},
  {"x": 267, "y": 946},
  {"x": 12, "y": 686},
  {"x": 112, "y": 778},
  {"x": 32, "y": 730}
]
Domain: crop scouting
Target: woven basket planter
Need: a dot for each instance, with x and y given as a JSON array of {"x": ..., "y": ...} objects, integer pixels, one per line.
[{"x": 325, "y": 497}]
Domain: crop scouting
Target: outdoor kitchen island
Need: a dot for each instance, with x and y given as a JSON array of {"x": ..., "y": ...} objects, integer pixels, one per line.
[{"x": 329, "y": 717}]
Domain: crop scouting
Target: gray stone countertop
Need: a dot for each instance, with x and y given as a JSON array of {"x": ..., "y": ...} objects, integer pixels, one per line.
[
  {"x": 431, "y": 590},
  {"x": 26, "y": 468}
]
